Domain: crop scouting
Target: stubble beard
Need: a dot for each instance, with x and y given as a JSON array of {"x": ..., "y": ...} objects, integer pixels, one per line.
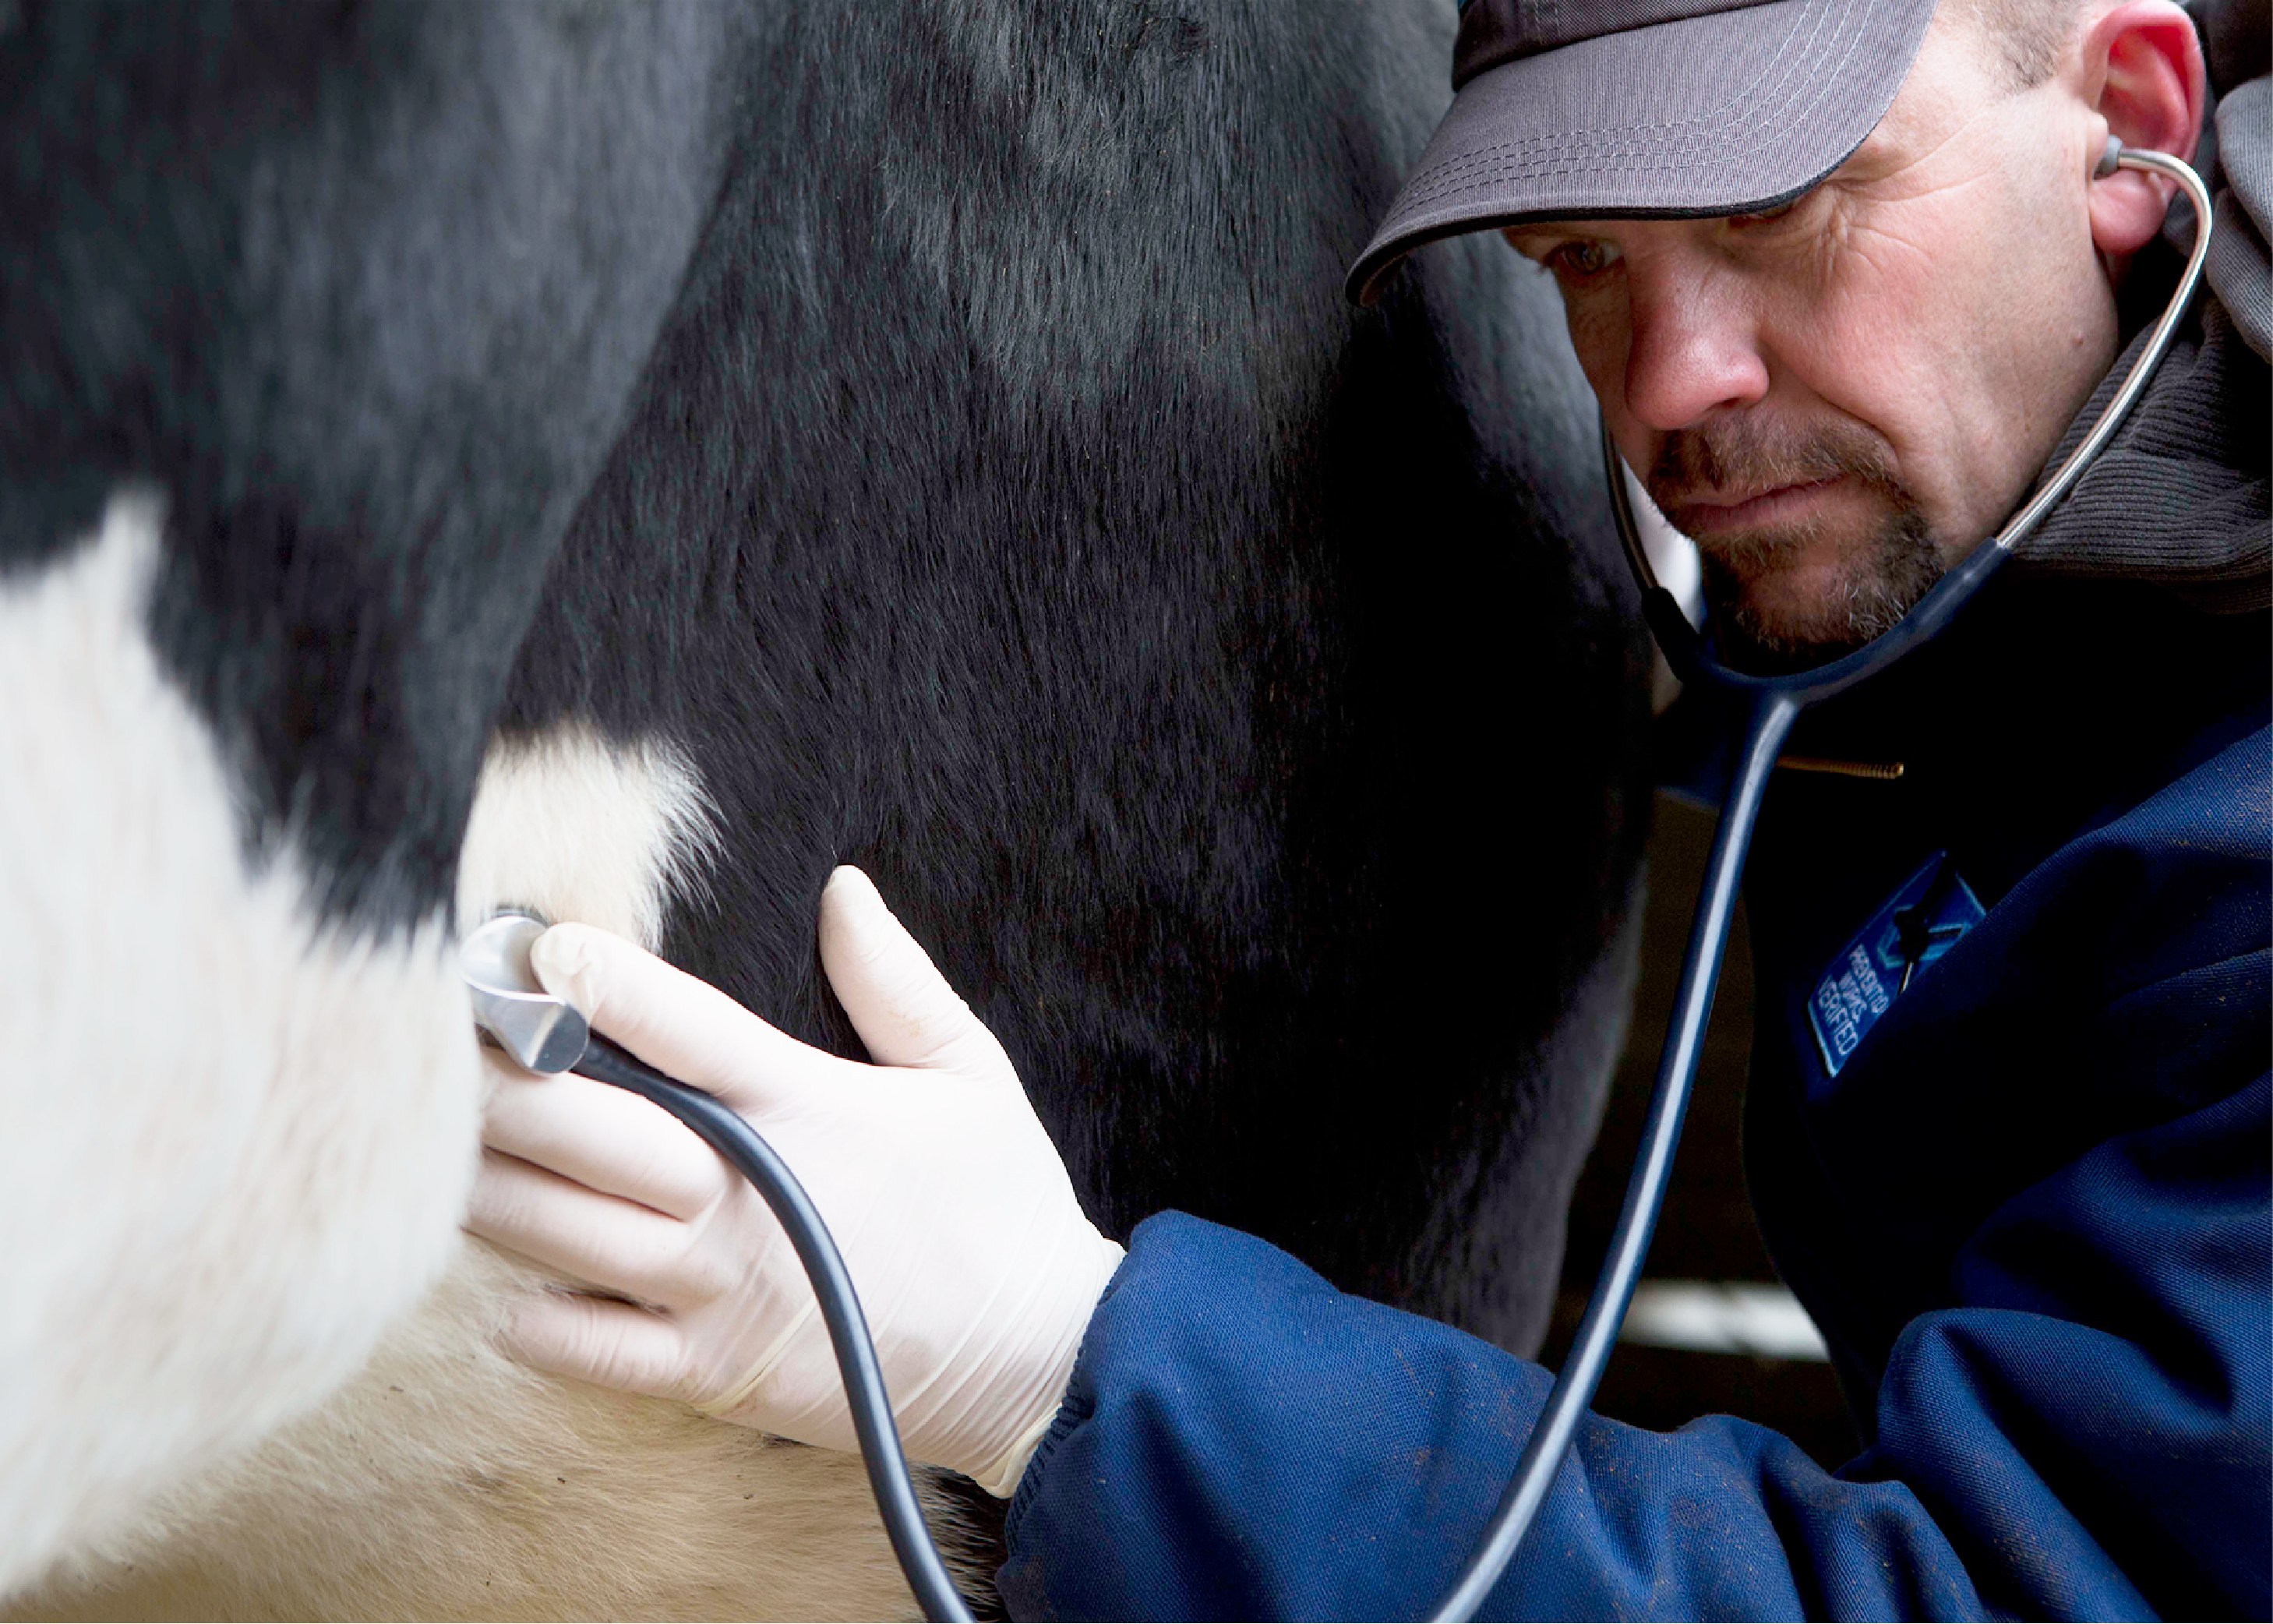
[{"x": 1884, "y": 565}]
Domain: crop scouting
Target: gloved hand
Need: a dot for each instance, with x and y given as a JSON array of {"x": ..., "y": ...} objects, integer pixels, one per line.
[{"x": 975, "y": 1265}]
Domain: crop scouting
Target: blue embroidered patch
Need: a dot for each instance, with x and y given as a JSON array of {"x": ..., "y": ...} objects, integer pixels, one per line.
[{"x": 1917, "y": 925}]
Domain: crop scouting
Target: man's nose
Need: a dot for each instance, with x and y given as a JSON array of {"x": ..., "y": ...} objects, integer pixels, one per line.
[{"x": 1695, "y": 345}]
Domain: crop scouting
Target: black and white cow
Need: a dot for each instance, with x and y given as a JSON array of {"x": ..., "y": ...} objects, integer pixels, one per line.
[{"x": 738, "y": 439}]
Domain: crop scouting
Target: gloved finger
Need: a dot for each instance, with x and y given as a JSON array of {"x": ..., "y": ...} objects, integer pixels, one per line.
[
  {"x": 615, "y": 1244},
  {"x": 900, "y": 1004},
  {"x": 680, "y": 1026},
  {"x": 607, "y": 1343},
  {"x": 604, "y": 1138}
]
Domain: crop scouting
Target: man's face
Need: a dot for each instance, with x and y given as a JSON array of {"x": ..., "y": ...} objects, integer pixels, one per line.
[{"x": 1839, "y": 400}]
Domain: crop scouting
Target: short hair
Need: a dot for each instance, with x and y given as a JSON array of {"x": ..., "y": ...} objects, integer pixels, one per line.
[{"x": 2030, "y": 36}]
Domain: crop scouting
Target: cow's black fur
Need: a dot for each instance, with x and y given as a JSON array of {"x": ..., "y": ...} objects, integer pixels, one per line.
[
  {"x": 964, "y": 454},
  {"x": 362, "y": 289},
  {"x": 1228, "y": 685}
]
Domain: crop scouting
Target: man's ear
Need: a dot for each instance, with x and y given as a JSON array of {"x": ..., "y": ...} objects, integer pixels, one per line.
[{"x": 2143, "y": 71}]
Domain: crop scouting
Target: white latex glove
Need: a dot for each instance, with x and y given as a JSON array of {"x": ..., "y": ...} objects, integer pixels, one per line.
[{"x": 976, "y": 1267}]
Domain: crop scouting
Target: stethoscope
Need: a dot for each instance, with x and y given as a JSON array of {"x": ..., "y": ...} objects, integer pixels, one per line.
[
  {"x": 546, "y": 1035},
  {"x": 1770, "y": 705}
]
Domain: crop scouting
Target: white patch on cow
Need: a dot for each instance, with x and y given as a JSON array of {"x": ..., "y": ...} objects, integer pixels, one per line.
[
  {"x": 447, "y": 1481},
  {"x": 235, "y": 1143},
  {"x": 577, "y": 829}
]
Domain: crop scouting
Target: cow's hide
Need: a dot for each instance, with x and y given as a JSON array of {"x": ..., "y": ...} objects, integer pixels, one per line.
[
  {"x": 317, "y": 322},
  {"x": 1239, "y": 694},
  {"x": 946, "y": 450}
]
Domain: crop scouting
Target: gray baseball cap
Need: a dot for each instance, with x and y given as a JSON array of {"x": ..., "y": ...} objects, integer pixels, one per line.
[{"x": 1592, "y": 110}]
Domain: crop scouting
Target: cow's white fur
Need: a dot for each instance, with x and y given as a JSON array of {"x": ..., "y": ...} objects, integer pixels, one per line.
[
  {"x": 234, "y": 1144},
  {"x": 580, "y": 829},
  {"x": 446, "y": 1481}
]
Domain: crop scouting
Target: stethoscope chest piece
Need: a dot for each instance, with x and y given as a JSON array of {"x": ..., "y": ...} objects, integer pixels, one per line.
[{"x": 542, "y": 1033}]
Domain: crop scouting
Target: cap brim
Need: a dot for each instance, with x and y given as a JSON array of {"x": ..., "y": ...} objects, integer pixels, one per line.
[{"x": 1724, "y": 114}]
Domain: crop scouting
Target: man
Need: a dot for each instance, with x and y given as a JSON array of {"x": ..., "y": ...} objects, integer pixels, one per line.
[{"x": 1845, "y": 278}]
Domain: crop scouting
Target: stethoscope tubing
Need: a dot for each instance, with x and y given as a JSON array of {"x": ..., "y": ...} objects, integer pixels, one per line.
[
  {"x": 1772, "y": 705},
  {"x": 746, "y": 1152},
  {"x": 1606, "y": 1311}
]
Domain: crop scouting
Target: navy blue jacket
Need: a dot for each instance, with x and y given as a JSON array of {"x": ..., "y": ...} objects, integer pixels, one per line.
[{"x": 2028, "y": 1209}]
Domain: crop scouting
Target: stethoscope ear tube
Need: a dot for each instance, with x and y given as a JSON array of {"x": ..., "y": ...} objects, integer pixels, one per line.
[
  {"x": 1679, "y": 640},
  {"x": 1574, "y": 1386},
  {"x": 1773, "y": 704}
]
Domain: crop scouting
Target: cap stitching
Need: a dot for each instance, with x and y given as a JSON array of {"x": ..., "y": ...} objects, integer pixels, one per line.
[
  {"x": 1432, "y": 185},
  {"x": 1612, "y": 139},
  {"x": 1610, "y": 142},
  {"x": 1663, "y": 162},
  {"x": 1776, "y": 68}
]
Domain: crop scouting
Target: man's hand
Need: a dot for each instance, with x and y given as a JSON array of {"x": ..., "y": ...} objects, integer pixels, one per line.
[{"x": 974, "y": 1263}]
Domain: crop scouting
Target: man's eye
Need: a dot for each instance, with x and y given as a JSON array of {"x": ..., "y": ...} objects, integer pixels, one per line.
[{"x": 1585, "y": 257}]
